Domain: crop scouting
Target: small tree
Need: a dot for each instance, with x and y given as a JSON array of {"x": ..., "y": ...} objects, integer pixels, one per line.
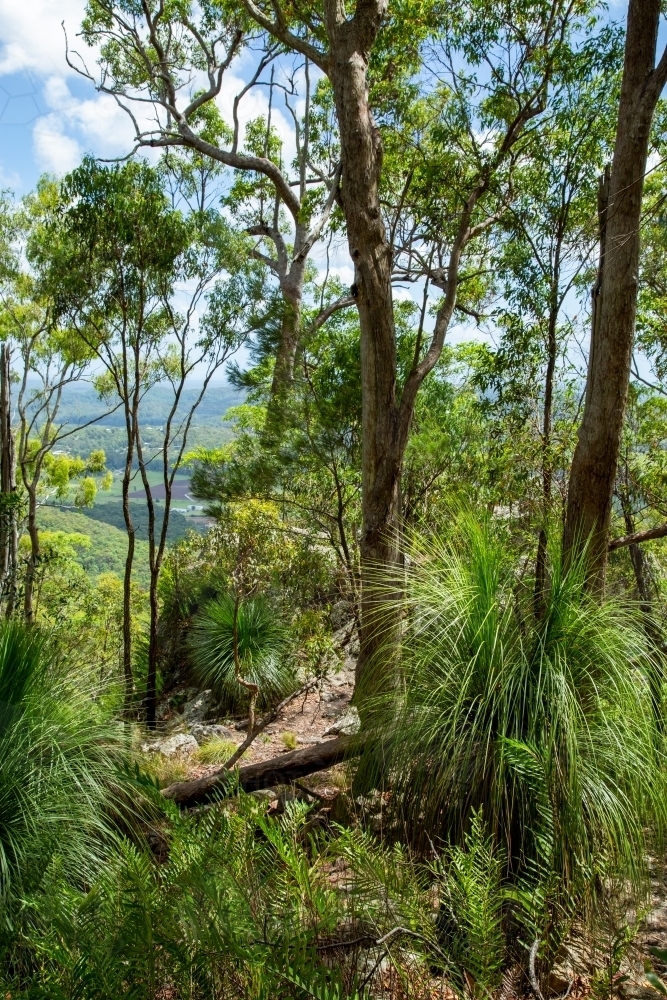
[
  {"x": 139, "y": 272},
  {"x": 48, "y": 357},
  {"x": 153, "y": 53}
]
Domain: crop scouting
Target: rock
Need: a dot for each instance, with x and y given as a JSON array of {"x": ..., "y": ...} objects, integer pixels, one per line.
[
  {"x": 264, "y": 794},
  {"x": 341, "y": 615},
  {"x": 347, "y": 724},
  {"x": 203, "y": 732},
  {"x": 634, "y": 991},
  {"x": 180, "y": 745},
  {"x": 197, "y": 708}
]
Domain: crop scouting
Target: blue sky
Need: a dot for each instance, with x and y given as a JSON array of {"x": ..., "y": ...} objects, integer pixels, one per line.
[{"x": 50, "y": 117}]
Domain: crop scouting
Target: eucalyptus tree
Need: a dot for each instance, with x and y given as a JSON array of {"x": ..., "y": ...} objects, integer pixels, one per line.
[
  {"x": 490, "y": 70},
  {"x": 546, "y": 244},
  {"x": 176, "y": 60},
  {"x": 47, "y": 358},
  {"x": 594, "y": 466},
  {"x": 144, "y": 293}
]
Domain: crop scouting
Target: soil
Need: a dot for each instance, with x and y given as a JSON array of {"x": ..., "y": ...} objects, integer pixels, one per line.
[{"x": 301, "y": 723}]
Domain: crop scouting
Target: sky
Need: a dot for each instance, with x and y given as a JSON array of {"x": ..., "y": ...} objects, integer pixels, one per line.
[{"x": 50, "y": 117}]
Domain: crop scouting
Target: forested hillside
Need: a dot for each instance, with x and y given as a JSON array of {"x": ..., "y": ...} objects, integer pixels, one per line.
[{"x": 333, "y": 509}]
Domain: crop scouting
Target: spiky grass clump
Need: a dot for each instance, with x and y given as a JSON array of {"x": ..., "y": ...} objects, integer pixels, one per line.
[
  {"x": 215, "y": 751},
  {"x": 59, "y": 771},
  {"x": 261, "y": 641},
  {"x": 544, "y": 725}
]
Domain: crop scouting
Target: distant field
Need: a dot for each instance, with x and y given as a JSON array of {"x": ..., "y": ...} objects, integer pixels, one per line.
[
  {"x": 181, "y": 502},
  {"x": 179, "y": 491}
]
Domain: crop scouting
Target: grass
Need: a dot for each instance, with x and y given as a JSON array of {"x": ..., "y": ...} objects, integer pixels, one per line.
[
  {"x": 289, "y": 740},
  {"x": 164, "y": 770},
  {"x": 215, "y": 751}
]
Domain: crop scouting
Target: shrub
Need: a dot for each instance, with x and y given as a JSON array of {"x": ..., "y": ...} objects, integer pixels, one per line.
[{"x": 236, "y": 908}]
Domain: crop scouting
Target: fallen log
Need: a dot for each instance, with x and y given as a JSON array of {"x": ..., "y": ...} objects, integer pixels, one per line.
[{"x": 276, "y": 771}]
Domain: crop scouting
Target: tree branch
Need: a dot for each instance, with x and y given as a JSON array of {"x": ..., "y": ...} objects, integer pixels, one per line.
[
  {"x": 638, "y": 536},
  {"x": 279, "y": 30}
]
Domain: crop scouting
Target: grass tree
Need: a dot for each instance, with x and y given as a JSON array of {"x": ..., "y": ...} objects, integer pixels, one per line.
[
  {"x": 59, "y": 772},
  {"x": 543, "y": 723}
]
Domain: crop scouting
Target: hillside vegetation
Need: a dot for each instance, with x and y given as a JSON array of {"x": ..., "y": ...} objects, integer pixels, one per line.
[{"x": 376, "y": 302}]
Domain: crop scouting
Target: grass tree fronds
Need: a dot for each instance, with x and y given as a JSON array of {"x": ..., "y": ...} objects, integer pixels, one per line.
[
  {"x": 543, "y": 724},
  {"x": 61, "y": 784},
  {"x": 261, "y": 642}
]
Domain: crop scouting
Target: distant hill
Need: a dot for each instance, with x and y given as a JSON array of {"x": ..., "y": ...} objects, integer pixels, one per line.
[
  {"x": 112, "y": 513},
  {"x": 108, "y": 544},
  {"x": 80, "y": 404}
]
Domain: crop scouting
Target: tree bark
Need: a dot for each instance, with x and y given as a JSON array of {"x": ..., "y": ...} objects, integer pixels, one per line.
[
  {"x": 290, "y": 327},
  {"x": 361, "y": 159},
  {"x": 35, "y": 554},
  {"x": 127, "y": 584},
  {"x": 8, "y": 515},
  {"x": 595, "y": 461},
  {"x": 547, "y": 464},
  {"x": 276, "y": 771},
  {"x": 646, "y": 592}
]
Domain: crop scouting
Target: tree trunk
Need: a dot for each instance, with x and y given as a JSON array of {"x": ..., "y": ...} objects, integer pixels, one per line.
[
  {"x": 151, "y": 675},
  {"x": 277, "y": 771},
  {"x": 127, "y": 583},
  {"x": 8, "y": 514},
  {"x": 35, "y": 554},
  {"x": 646, "y": 592},
  {"x": 290, "y": 328},
  {"x": 547, "y": 465},
  {"x": 361, "y": 159},
  {"x": 593, "y": 472}
]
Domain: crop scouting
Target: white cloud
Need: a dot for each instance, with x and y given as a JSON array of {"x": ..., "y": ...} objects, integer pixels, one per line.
[
  {"x": 55, "y": 151},
  {"x": 255, "y": 104},
  {"x": 75, "y": 126},
  {"x": 344, "y": 272},
  {"x": 9, "y": 180},
  {"x": 31, "y": 37}
]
